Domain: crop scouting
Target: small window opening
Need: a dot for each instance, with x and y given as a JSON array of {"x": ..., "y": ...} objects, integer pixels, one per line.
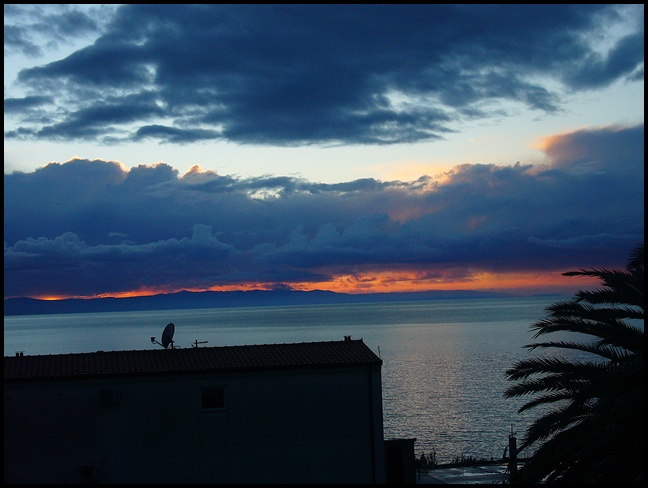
[{"x": 213, "y": 397}]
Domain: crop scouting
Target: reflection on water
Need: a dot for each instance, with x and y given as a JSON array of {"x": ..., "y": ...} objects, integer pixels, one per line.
[
  {"x": 445, "y": 388},
  {"x": 443, "y": 361}
]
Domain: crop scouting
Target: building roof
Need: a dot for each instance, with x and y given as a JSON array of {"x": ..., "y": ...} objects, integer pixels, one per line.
[{"x": 192, "y": 360}]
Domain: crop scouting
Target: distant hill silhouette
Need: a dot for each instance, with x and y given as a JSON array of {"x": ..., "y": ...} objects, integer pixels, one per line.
[{"x": 215, "y": 299}]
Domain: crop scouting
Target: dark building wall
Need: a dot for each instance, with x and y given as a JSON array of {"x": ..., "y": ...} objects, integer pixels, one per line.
[
  {"x": 298, "y": 426},
  {"x": 400, "y": 461}
]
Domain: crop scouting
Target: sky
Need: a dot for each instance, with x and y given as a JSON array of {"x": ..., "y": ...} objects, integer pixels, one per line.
[{"x": 354, "y": 148}]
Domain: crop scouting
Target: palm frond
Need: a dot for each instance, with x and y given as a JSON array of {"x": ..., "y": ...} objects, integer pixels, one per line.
[
  {"x": 564, "y": 367},
  {"x": 594, "y": 390},
  {"x": 599, "y": 348},
  {"x": 610, "y": 331}
]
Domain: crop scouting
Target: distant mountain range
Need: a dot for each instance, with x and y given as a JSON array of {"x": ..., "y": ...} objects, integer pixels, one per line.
[{"x": 215, "y": 299}]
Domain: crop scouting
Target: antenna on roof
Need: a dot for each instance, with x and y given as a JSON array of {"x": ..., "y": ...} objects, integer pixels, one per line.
[
  {"x": 196, "y": 342},
  {"x": 167, "y": 337}
]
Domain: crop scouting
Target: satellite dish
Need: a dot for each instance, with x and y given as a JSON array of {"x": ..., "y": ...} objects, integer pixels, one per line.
[{"x": 167, "y": 335}]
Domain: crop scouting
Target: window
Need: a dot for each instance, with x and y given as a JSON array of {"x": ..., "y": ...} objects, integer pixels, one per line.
[{"x": 213, "y": 397}]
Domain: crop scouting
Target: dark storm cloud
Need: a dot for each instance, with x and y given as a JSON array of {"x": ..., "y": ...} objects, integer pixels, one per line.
[
  {"x": 29, "y": 27},
  {"x": 596, "y": 71},
  {"x": 87, "y": 227},
  {"x": 324, "y": 74},
  {"x": 174, "y": 135},
  {"x": 12, "y": 105},
  {"x": 89, "y": 122}
]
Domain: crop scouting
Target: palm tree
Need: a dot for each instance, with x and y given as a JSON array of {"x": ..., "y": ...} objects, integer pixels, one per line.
[{"x": 593, "y": 393}]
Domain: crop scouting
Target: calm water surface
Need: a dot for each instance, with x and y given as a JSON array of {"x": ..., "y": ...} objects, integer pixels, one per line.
[{"x": 443, "y": 361}]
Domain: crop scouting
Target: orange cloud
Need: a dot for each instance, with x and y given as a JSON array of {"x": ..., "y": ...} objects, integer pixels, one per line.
[{"x": 412, "y": 281}]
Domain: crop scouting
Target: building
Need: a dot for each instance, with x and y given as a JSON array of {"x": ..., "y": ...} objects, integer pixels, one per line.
[{"x": 275, "y": 413}]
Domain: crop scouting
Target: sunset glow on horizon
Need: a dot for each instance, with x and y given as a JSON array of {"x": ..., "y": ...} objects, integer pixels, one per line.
[{"x": 523, "y": 284}]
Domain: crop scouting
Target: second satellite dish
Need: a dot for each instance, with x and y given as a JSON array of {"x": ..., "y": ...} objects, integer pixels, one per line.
[{"x": 167, "y": 336}]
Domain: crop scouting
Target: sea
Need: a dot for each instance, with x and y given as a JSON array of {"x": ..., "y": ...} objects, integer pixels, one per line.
[{"x": 444, "y": 361}]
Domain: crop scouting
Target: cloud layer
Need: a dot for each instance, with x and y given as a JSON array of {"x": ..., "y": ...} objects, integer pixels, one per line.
[
  {"x": 311, "y": 74},
  {"x": 94, "y": 227}
]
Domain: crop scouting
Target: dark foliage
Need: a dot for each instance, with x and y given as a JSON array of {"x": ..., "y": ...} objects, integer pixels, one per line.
[{"x": 592, "y": 387}]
